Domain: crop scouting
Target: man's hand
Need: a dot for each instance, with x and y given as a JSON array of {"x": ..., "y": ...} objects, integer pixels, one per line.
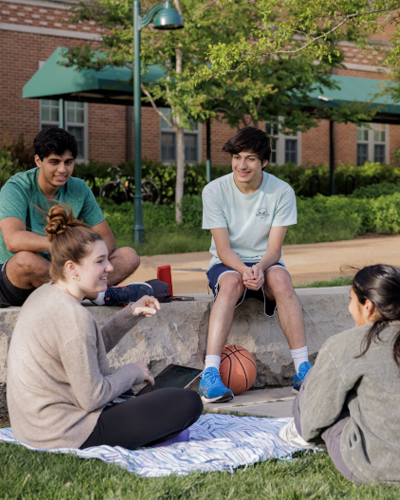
[
  {"x": 146, "y": 306},
  {"x": 148, "y": 377},
  {"x": 247, "y": 274},
  {"x": 254, "y": 279}
]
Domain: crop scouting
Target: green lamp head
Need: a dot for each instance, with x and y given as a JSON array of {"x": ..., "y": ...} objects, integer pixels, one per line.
[{"x": 168, "y": 18}]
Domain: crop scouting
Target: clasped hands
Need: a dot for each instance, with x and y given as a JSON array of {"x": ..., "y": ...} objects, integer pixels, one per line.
[
  {"x": 146, "y": 306},
  {"x": 253, "y": 277}
]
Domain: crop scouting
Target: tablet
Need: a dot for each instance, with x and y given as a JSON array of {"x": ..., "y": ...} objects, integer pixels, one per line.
[{"x": 172, "y": 376}]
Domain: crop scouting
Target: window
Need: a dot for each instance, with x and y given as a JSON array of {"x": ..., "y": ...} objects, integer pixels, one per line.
[
  {"x": 75, "y": 121},
  {"x": 372, "y": 143},
  {"x": 192, "y": 142},
  {"x": 379, "y": 142},
  {"x": 291, "y": 150},
  {"x": 285, "y": 147}
]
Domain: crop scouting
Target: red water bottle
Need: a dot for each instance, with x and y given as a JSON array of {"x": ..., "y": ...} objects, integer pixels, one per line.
[{"x": 164, "y": 274}]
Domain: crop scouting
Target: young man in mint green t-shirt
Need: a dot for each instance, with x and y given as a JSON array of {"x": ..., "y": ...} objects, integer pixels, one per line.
[
  {"x": 24, "y": 248},
  {"x": 248, "y": 212}
]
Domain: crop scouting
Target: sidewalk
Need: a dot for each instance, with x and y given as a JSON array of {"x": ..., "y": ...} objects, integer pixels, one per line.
[{"x": 306, "y": 263}]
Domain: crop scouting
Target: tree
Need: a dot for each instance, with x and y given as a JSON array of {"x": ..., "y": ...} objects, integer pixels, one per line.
[
  {"x": 279, "y": 91},
  {"x": 233, "y": 59},
  {"x": 179, "y": 53},
  {"x": 310, "y": 28}
]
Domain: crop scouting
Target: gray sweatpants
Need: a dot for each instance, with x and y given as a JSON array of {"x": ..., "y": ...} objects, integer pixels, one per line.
[{"x": 331, "y": 436}]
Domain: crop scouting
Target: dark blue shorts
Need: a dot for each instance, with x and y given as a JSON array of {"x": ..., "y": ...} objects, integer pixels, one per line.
[{"x": 214, "y": 274}]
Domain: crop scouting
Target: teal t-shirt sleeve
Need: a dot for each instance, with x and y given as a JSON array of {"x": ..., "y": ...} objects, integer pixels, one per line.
[
  {"x": 91, "y": 212},
  {"x": 286, "y": 211},
  {"x": 213, "y": 214},
  {"x": 13, "y": 202}
]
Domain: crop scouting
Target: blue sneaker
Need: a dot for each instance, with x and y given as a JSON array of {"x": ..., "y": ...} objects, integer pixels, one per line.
[
  {"x": 211, "y": 387},
  {"x": 125, "y": 294},
  {"x": 298, "y": 379}
]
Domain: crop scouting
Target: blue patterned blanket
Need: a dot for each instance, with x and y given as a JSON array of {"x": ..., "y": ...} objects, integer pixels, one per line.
[{"x": 217, "y": 443}]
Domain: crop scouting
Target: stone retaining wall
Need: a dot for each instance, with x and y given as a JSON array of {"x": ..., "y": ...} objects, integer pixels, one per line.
[{"x": 178, "y": 334}]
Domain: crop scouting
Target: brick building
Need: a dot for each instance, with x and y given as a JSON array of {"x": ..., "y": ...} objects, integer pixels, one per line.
[{"x": 31, "y": 30}]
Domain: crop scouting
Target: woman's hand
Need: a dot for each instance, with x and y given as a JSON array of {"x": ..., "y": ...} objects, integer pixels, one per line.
[
  {"x": 148, "y": 377},
  {"x": 146, "y": 306}
]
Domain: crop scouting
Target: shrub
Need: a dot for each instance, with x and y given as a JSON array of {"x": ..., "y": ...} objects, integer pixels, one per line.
[
  {"x": 325, "y": 219},
  {"x": 8, "y": 166},
  {"x": 376, "y": 190},
  {"x": 22, "y": 153}
]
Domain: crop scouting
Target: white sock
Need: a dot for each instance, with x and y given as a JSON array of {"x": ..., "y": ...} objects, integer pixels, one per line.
[
  {"x": 299, "y": 356},
  {"x": 100, "y": 299},
  {"x": 213, "y": 360}
]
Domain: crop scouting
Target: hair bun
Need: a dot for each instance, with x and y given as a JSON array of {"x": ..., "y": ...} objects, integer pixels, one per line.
[{"x": 58, "y": 221}]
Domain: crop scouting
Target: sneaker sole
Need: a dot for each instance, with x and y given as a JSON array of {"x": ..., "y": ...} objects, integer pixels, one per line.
[
  {"x": 294, "y": 391},
  {"x": 227, "y": 396}
]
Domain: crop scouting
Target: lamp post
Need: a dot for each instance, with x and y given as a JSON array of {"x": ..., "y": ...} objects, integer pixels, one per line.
[{"x": 167, "y": 18}]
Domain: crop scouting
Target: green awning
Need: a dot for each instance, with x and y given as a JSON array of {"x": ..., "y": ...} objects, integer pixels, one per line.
[
  {"x": 361, "y": 90},
  {"x": 110, "y": 86}
]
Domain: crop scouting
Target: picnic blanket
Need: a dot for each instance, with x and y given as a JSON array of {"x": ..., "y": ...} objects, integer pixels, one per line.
[{"x": 217, "y": 443}]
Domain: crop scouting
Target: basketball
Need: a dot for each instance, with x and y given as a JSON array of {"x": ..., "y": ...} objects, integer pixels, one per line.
[{"x": 238, "y": 368}]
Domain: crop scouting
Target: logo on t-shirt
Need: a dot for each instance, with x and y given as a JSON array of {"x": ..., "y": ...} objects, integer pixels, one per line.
[{"x": 261, "y": 213}]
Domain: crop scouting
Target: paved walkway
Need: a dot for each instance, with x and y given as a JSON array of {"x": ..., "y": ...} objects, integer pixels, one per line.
[{"x": 306, "y": 263}]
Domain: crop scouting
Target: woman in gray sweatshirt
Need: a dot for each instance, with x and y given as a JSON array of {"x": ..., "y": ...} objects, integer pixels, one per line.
[
  {"x": 350, "y": 400},
  {"x": 60, "y": 390}
]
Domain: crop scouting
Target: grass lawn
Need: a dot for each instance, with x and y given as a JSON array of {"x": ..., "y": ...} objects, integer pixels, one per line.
[
  {"x": 167, "y": 241},
  {"x": 339, "y": 281},
  {"x": 33, "y": 475}
]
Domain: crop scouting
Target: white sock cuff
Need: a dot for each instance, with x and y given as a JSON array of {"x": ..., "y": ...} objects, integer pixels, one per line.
[
  {"x": 100, "y": 299},
  {"x": 299, "y": 356},
  {"x": 213, "y": 360}
]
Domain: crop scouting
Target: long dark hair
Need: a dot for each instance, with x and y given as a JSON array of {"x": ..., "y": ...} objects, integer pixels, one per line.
[{"x": 381, "y": 285}]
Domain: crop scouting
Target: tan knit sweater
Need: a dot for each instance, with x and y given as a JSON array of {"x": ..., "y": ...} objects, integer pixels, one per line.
[{"x": 58, "y": 378}]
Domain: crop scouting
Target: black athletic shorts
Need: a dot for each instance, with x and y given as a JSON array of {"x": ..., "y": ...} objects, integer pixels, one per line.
[{"x": 10, "y": 294}]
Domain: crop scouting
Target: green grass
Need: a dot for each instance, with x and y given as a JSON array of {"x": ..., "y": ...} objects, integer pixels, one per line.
[
  {"x": 168, "y": 241},
  {"x": 33, "y": 475},
  {"x": 339, "y": 281}
]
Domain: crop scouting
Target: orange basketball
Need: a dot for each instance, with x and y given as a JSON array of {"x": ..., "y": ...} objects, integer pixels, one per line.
[{"x": 238, "y": 368}]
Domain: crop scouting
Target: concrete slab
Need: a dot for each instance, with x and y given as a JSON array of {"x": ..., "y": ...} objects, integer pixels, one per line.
[
  {"x": 178, "y": 334},
  {"x": 256, "y": 397},
  {"x": 269, "y": 410},
  {"x": 274, "y": 403}
]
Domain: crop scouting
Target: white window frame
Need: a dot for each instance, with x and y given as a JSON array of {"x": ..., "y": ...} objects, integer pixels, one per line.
[
  {"x": 165, "y": 129},
  {"x": 280, "y": 139},
  {"x": 57, "y": 123},
  {"x": 371, "y": 128}
]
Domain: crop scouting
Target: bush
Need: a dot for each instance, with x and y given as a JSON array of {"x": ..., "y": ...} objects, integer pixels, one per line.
[
  {"x": 22, "y": 153},
  {"x": 8, "y": 166},
  {"x": 376, "y": 190},
  {"x": 301, "y": 178},
  {"x": 163, "y": 175},
  {"x": 324, "y": 218}
]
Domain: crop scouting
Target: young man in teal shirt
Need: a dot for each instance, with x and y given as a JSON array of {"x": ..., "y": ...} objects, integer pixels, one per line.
[
  {"x": 248, "y": 212},
  {"x": 25, "y": 251}
]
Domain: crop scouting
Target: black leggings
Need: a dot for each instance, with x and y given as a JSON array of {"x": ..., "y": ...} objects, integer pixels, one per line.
[{"x": 146, "y": 420}]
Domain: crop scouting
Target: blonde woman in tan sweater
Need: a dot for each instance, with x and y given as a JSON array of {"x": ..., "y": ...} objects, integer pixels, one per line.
[{"x": 59, "y": 384}]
